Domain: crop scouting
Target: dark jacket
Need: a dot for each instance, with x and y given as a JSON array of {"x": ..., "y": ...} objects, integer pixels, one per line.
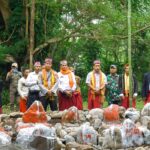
[
  {"x": 1, "y": 88},
  {"x": 1, "y": 85},
  {"x": 146, "y": 83},
  {"x": 122, "y": 84}
]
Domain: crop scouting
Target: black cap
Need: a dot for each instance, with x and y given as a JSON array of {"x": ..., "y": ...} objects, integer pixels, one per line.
[{"x": 113, "y": 66}]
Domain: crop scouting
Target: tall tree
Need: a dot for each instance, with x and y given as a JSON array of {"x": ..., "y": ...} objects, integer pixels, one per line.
[
  {"x": 32, "y": 33},
  {"x": 129, "y": 52},
  {"x": 5, "y": 11}
]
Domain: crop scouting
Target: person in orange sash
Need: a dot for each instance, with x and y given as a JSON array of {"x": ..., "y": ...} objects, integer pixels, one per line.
[
  {"x": 77, "y": 93},
  {"x": 96, "y": 81},
  {"x": 124, "y": 88},
  {"x": 47, "y": 79},
  {"x": 65, "y": 86},
  {"x": 23, "y": 90},
  {"x": 146, "y": 88}
]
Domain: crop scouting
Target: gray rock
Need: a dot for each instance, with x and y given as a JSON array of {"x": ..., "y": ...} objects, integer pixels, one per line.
[
  {"x": 3, "y": 117},
  {"x": 42, "y": 142},
  {"x": 16, "y": 115},
  {"x": 69, "y": 139},
  {"x": 140, "y": 148},
  {"x": 76, "y": 146}
]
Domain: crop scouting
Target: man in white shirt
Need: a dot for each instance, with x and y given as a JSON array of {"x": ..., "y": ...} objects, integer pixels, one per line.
[
  {"x": 66, "y": 86},
  {"x": 23, "y": 90},
  {"x": 47, "y": 79},
  {"x": 32, "y": 84},
  {"x": 96, "y": 81}
]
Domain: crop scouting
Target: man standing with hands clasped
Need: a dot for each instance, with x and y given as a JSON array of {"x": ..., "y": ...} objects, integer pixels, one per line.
[
  {"x": 112, "y": 88},
  {"x": 96, "y": 81},
  {"x": 32, "y": 84},
  {"x": 124, "y": 85},
  {"x": 65, "y": 87},
  {"x": 47, "y": 79}
]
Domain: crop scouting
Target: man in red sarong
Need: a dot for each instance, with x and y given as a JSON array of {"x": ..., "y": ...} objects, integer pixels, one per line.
[
  {"x": 124, "y": 88},
  {"x": 146, "y": 88},
  {"x": 66, "y": 86},
  {"x": 96, "y": 81}
]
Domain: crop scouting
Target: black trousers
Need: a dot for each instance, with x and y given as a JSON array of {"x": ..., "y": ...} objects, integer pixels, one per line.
[
  {"x": 46, "y": 101},
  {"x": 114, "y": 102},
  {"x": 0, "y": 100},
  {"x": 33, "y": 95}
]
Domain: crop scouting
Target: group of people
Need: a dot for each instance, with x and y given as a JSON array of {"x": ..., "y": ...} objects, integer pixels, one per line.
[
  {"x": 114, "y": 88},
  {"x": 58, "y": 90},
  {"x": 62, "y": 90}
]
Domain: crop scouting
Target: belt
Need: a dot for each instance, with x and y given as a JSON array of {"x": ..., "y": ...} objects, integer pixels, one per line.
[{"x": 35, "y": 91}]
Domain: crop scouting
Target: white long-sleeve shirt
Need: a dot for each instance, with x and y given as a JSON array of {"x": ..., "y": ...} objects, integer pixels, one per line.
[
  {"x": 62, "y": 83},
  {"x": 32, "y": 81},
  {"x": 22, "y": 89}
]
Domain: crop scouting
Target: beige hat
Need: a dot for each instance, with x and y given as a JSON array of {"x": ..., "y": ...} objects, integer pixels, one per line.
[{"x": 14, "y": 65}]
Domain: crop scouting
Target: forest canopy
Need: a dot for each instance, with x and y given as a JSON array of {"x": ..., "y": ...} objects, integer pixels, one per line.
[{"x": 79, "y": 31}]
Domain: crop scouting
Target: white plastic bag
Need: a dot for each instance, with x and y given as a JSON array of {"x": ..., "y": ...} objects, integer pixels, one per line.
[
  {"x": 145, "y": 120},
  {"x": 131, "y": 135},
  {"x": 5, "y": 139},
  {"x": 132, "y": 114},
  {"x": 146, "y": 135},
  {"x": 70, "y": 115},
  {"x": 87, "y": 135},
  {"x": 27, "y": 135},
  {"x": 112, "y": 138},
  {"x": 96, "y": 113},
  {"x": 146, "y": 110}
]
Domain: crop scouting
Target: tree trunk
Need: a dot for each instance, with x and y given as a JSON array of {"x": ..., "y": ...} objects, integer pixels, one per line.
[
  {"x": 26, "y": 13},
  {"x": 45, "y": 22},
  {"x": 129, "y": 53},
  {"x": 5, "y": 10},
  {"x": 27, "y": 19},
  {"x": 31, "y": 42}
]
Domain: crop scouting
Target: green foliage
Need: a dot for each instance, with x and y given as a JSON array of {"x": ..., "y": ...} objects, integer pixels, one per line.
[{"x": 5, "y": 97}]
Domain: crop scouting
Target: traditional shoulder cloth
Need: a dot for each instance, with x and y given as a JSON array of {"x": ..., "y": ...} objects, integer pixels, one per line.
[
  {"x": 45, "y": 78},
  {"x": 70, "y": 76},
  {"x": 101, "y": 84},
  {"x": 102, "y": 80}
]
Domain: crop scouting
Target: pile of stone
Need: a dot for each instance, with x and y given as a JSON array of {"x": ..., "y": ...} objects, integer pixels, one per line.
[{"x": 73, "y": 129}]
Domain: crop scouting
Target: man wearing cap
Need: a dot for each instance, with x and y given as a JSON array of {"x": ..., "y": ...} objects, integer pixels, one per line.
[
  {"x": 32, "y": 84},
  {"x": 47, "y": 79},
  {"x": 124, "y": 88},
  {"x": 146, "y": 88},
  {"x": 12, "y": 77},
  {"x": 112, "y": 87},
  {"x": 66, "y": 86},
  {"x": 96, "y": 81}
]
